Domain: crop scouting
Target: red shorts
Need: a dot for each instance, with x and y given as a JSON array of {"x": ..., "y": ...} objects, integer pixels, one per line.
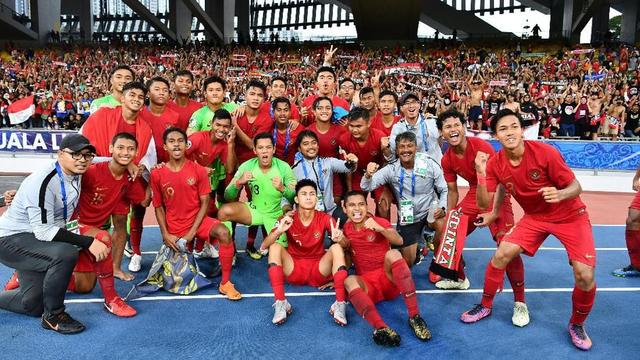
[
  {"x": 498, "y": 228},
  {"x": 379, "y": 287},
  {"x": 136, "y": 193},
  {"x": 635, "y": 204},
  {"x": 85, "y": 259},
  {"x": 307, "y": 272},
  {"x": 575, "y": 235},
  {"x": 204, "y": 229}
]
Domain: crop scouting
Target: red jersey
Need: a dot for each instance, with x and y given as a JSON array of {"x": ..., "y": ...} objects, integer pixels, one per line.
[
  {"x": 102, "y": 195},
  {"x": 308, "y": 103},
  {"x": 201, "y": 150},
  {"x": 260, "y": 124},
  {"x": 179, "y": 193},
  {"x": 184, "y": 112},
  {"x": 369, "y": 152},
  {"x": 368, "y": 248},
  {"x": 265, "y": 109},
  {"x": 307, "y": 242},
  {"x": 376, "y": 123},
  {"x": 328, "y": 142},
  {"x": 286, "y": 143},
  {"x": 541, "y": 166},
  {"x": 125, "y": 127},
  {"x": 158, "y": 125},
  {"x": 452, "y": 166}
]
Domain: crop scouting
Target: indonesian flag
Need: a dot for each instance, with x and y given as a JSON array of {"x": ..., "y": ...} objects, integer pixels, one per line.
[{"x": 21, "y": 110}]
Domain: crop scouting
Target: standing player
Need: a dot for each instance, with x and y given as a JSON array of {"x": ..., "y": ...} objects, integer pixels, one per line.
[
  {"x": 285, "y": 130},
  {"x": 459, "y": 160},
  {"x": 304, "y": 261},
  {"x": 632, "y": 234},
  {"x": 158, "y": 115},
  {"x": 278, "y": 89},
  {"x": 269, "y": 180},
  {"x": 385, "y": 119},
  {"x": 119, "y": 77},
  {"x": 183, "y": 104},
  {"x": 326, "y": 84},
  {"x": 252, "y": 122},
  {"x": 381, "y": 273},
  {"x": 416, "y": 184},
  {"x": 539, "y": 179},
  {"x": 214, "y": 89},
  {"x": 181, "y": 199}
]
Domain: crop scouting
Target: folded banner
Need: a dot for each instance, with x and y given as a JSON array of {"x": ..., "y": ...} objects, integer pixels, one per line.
[
  {"x": 448, "y": 255},
  {"x": 595, "y": 77},
  {"x": 581, "y": 51},
  {"x": 498, "y": 83},
  {"x": 31, "y": 141},
  {"x": 21, "y": 110}
]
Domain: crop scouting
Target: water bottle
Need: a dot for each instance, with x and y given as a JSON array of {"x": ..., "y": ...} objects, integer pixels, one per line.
[{"x": 432, "y": 212}]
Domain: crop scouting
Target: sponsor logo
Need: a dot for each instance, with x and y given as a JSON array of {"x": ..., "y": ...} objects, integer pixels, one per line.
[{"x": 371, "y": 237}]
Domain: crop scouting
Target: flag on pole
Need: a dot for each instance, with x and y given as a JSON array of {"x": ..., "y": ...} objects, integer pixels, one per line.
[{"x": 21, "y": 110}]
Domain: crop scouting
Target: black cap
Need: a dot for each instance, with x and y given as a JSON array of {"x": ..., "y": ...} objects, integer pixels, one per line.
[
  {"x": 406, "y": 97},
  {"x": 76, "y": 143}
]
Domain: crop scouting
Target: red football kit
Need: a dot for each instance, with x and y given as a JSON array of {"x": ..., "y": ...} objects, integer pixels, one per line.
[
  {"x": 543, "y": 166},
  {"x": 286, "y": 143},
  {"x": 366, "y": 153},
  {"x": 158, "y": 125},
  {"x": 376, "y": 123},
  {"x": 328, "y": 141},
  {"x": 265, "y": 109},
  {"x": 262, "y": 123},
  {"x": 308, "y": 103},
  {"x": 184, "y": 112},
  {"x": 201, "y": 150}
]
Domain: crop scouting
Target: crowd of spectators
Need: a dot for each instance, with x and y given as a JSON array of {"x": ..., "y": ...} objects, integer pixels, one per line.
[{"x": 571, "y": 92}]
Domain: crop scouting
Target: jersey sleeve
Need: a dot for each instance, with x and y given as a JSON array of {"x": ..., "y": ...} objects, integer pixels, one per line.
[
  {"x": 193, "y": 143},
  {"x": 156, "y": 189},
  {"x": 560, "y": 174},
  {"x": 289, "y": 180},
  {"x": 492, "y": 174},
  {"x": 204, "y": 186},
  {"x": 447, "y": 170}
]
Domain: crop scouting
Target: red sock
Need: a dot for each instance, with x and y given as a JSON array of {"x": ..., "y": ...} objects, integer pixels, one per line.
[
  {"x": 338, "y": 284},
  {"x": 493, "y": 279},
  {"x": 226, "y": 261},
  {"x": 252, "y": 232},
  {"x": 633, "y": 246},
  {"x": 403, "y": 281},
  {"x": 72, "y": 283},
  {"x": 135, "y": 232},
  {"x": 582, "y": 304},
  {"x": 104, "y": 272},
  {"x": 365, "y": 307},
  {"x": 276, "y": 276},
  {"x": 515, "y": 273}
]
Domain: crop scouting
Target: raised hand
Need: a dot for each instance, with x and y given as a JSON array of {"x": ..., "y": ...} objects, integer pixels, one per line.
[
  {"x": 277, "y": 183},
  {"x": 284, "y": 224},
  {"x": 336, "y": 234},
  {"x": 245, "y": 178},
  {"x": 371, "y": 169},
  {"x": 551, "y": 194},
  {"x": 373, "y": 225}
]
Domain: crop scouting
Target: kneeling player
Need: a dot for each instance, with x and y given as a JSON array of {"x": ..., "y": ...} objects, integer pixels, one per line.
[
  {"x": 304, "y": 261},
  {"x": 181, "y": 199},
  {"x": 382, "y": 273}
]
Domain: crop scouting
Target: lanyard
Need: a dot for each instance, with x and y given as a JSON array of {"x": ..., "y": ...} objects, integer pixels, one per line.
[
  {"x": 287, "y": 138},
  {"x": 425, "y": 134},
  {"x": 318, "y": 176},
  {"x": 413, "y": 182},
  {"x": 63, "y": 190}
]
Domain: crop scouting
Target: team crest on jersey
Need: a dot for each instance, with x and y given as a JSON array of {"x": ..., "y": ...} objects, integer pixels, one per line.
[
  {"x": 371, "y": 237},
  {"x": 169, "y": 191},
  {"x": 191, "y": 181},
  {"x": 316, "y": 235},
  {"x": 254, "y": 129},
  {"x": 374, "y": 152},
  {"x": 534, "y": 174},
  {"x": 333, "y": 141}
]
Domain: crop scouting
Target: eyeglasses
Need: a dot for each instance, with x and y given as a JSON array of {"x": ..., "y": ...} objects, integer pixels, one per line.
[
  {"x": 77, "y": 156},
  {"x": 410, "y": 103}
]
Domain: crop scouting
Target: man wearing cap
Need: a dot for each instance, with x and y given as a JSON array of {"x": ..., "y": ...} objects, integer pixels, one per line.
[
  {"x": 40, "y": 239},
  {"x": 426, "y": 131}
]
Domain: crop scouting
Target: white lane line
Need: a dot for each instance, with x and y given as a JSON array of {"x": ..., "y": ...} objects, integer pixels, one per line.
[{"x": 318, "y": 294}]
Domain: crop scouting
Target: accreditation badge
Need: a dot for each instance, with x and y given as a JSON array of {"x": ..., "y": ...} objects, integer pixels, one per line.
[
  {"x": 406, "y": 212},
  {"x": 320, "y": 203},
  {"x": 420, "y": 166},
  {"x": 73, "y": 227}
]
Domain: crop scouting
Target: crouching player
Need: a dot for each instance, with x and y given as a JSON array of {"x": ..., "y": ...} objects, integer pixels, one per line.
[
  {"x": 304, "y": 261},
  {"x": 181, "y": 199},
  {"x": 382, "y": 273}
]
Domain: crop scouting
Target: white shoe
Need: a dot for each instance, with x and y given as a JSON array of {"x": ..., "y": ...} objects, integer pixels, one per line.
[
  {"x": 520, "y": 314},
  {"x": 136, "y": 263},
  {"x": 128, "y": 251},
  {"x": 282, "y": 309},
  {"x": 447, "y": 284},
  {"x": 208, "y": 251},
  {"x": 339, "y": 312}
]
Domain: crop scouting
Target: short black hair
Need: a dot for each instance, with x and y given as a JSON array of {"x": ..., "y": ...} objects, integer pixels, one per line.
[
  {"x": 406, "y": 136},
  {"x": 263, "y": 135},
  {"x": 389, "y": 92},
  {"x": 214, "y": 79},
  {"x": 322, "y": 69},
  {"x": 185, "y": 73},
  {"x": 306, "y": 182},
  {"x": 347, "y": 80},
  {"x": 256, "y": 83},
  {"x": 447, "y": 114},
  {"x": 366, "y": 90},
  {"x": 280, "y": 100},
  {"x": 303, "y": 134},
  {"x": 502, "y": 113},
  {"x": 170, "y": 130},
  {"x": 221, "y": 114},
  {"x": 134, "y": 85},
  {"x": 126, "y": 136},
  {"x": 321, "y": 98},
  {"x": 157, "y": 79},
  {"x": 279, "y": 78},
  {"x": 354, "y": 193},
  {"x": 123, "y": 67},
  {"x": 359, "y": 112}
]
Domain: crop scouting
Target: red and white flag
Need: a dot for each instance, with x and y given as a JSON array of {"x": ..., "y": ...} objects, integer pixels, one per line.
[{"x": 21, "y": 110}]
